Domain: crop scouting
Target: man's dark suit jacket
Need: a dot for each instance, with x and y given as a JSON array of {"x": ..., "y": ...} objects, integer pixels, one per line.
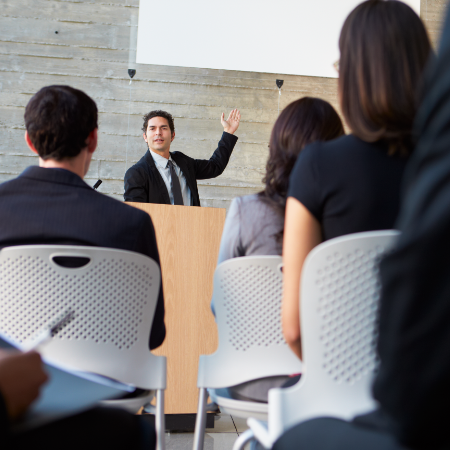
[
  {"x": 413, "y": 383},
  {"x": 55, "y": 206},
  {"x": 143, "y": 182}
]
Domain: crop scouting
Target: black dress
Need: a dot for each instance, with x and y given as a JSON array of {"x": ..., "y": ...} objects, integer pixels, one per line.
[{"x": 348, "y": 185}]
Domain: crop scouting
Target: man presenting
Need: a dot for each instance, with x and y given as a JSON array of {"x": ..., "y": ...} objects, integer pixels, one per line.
[{"x": 170, "y": 178}]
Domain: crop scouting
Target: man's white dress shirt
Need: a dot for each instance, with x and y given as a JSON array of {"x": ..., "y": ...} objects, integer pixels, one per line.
[{"x": 162, "y": 164}]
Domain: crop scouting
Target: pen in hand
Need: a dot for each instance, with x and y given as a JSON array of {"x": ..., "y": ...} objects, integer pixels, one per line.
[{"x": 46, "y": 334}]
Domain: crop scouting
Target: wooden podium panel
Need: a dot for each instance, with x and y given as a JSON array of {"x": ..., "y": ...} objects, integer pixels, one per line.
[{"x": 188, "y": 241}]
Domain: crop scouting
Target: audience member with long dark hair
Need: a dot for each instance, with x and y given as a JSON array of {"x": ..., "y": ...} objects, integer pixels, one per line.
[
  {"x": 411, "y": 385},
  {"x": 352, "y": 184},
  {"x": 254, "y": 224}
]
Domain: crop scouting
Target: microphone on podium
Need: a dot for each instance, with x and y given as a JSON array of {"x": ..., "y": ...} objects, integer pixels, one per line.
[{"x": 97, "y": 184}]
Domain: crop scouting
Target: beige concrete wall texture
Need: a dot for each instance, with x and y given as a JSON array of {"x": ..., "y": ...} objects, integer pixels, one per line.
[{"x": 91, "y": 44}]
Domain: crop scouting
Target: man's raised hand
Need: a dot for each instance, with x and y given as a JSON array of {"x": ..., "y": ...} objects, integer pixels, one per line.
[
  {"x": 232, "y": 123},
  {"x": 21, "y": 376}
]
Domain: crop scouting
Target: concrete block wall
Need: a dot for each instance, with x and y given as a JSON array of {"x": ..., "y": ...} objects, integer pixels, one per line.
[{"x": 89, "y": 44}]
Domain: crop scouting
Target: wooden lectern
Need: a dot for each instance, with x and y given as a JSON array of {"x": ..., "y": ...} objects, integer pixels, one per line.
[{"x": 188, "y": 241}]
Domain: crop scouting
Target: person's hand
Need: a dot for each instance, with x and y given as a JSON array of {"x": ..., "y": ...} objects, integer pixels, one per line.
[
  {"x": 232, "y": 123},
  {"x": 21, "y": 376}
]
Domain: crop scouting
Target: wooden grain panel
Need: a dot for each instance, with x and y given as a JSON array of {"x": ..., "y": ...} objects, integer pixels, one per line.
[
  {"x": 72, "y": 12},
  {"x": 69, "y": 33},
  {"x": 150, "y": 89},
  {"x": 168, "y": 74},
  {"x": 17, "y": 164},
  {"x": 188, "y": 241},
  {"x": 9, "y": 46},
  {"x": 432, "y": 13}
]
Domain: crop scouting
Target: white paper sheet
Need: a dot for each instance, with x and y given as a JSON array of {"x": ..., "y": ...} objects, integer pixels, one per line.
[{"x": 66, "y": 393}]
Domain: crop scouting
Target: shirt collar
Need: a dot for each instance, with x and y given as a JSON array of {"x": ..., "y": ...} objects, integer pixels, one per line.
[{"x": 160, "y": 160}]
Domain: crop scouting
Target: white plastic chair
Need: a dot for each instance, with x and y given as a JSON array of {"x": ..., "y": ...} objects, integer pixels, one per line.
[
  {"x": 113, "y": 298},
  {"x": 247, "y": 299},
  {"x": 339, "y": 304}
]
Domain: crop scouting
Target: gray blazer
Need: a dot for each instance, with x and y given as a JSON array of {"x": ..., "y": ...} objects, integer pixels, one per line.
[{"x": 250, "y": 229}]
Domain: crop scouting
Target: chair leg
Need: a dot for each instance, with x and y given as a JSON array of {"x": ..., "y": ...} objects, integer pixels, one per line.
[
  {"x": 243, "y": 439},
  {"x": 200, "y": 421},
  {"x": 160, "y": 421}
]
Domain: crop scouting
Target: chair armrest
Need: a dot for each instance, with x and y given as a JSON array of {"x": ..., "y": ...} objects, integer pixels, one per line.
[{"x": 260, "y": 432}]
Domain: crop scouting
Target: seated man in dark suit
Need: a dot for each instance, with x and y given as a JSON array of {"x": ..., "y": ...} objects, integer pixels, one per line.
[
  {"x": 51, "y": 204},
  {"x": 170, "y": 178}
]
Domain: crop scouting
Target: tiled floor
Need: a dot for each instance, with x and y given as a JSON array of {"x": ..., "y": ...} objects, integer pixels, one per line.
[{"x": 221, "y": 437}]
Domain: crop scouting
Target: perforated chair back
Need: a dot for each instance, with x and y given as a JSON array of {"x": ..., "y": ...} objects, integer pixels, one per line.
[
  {"x": 339, "y": 303},
  {"x": 113, "y": 298},
  {"x": 247, "y": 299}
]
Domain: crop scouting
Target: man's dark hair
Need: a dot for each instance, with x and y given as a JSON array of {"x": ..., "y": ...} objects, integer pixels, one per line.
[
  {"x": 158, "y": 113},
  {"x": 58, "y": 120},
  {"x": 384, "y": 48}
]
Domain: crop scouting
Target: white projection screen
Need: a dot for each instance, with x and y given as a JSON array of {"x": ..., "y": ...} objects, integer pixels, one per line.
[{"x": 298, "y": 37}]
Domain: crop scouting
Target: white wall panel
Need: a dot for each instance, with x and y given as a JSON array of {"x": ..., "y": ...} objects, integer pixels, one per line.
[{"x": 298, "y": 37}]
